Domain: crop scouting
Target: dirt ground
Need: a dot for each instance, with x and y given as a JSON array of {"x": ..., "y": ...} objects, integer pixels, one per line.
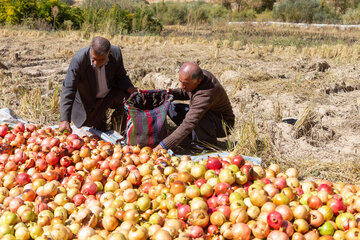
[{"x": 266, "y": 85}]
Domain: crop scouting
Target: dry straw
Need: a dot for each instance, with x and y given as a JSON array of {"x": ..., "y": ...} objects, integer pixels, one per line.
[
  {"x": 246, "y": 139},
  {"x": 277, "y": 112},
  {"x": 226, "y": 43},
  {"x": 236, "y": 45},
  {"x": 305, "y": 121}
]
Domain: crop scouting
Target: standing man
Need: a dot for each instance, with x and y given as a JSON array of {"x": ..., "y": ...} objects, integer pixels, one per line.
[
  {"x": 209, "y": 108},
  {"x": 96, "y": 81}
]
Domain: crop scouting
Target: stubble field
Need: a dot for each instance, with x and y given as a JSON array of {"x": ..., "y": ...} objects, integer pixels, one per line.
[{"x": 316, "y": 84}]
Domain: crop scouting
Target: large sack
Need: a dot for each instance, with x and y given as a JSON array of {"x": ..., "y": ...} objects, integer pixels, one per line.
[{"x": 146, "y": 121}]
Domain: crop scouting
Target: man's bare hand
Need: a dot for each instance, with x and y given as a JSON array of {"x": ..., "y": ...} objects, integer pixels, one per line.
[
  {"x": 157, "y": 148},
  {"x": 131, "y": 90},
  {"x": 65, "y": 125}
]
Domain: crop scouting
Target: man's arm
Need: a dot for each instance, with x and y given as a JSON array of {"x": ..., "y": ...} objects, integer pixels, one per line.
[
  {"x": 178, "y": 94},
  {"x": 201, "y": 104}
]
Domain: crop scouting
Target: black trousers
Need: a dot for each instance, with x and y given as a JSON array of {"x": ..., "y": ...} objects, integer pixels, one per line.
[
  {"x": 209, "y": 128},
  {"x": 113, "y": 100}
]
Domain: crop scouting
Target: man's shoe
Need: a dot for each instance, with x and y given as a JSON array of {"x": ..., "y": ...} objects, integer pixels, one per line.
[{"x": 198, "y": 148}]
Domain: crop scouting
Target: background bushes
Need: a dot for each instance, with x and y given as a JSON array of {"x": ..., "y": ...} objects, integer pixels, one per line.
[
  {"x": 110, "y": 16},
  {"x": 13, "y": 11},
  {"x": 306, "y": 11},
  {"x": 352, "y": 16},
  {"x": 139, "y": 17},
  {"x": 116, "y": 17}
]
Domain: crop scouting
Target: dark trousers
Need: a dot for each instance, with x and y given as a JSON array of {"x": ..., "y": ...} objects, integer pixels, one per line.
[
  {"x": 208, "y": 129},
  {"x": 113, "y": 100}
]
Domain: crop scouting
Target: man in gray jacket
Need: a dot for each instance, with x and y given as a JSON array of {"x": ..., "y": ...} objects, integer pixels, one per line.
[{"x": 96, "y": 81}]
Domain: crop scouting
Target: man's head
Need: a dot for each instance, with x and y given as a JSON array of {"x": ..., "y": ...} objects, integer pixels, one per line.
[
  {"x": 190, "y": 76},
  {"x": 99, "y": 51}
]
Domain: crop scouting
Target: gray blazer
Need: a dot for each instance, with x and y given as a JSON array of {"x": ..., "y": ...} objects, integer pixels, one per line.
[{"x": 78, "y": 95}]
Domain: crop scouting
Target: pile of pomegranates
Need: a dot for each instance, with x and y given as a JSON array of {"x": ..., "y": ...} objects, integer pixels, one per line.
[{"x": 64, "y": 186}]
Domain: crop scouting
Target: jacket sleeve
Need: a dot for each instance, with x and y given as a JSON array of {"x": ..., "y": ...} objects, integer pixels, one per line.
[
  {"x": 179, "y": 94},
  {"x": 201, "y": 103},
  {"x": 69, "y": 89},
  {"x": 123, "y": 80}
]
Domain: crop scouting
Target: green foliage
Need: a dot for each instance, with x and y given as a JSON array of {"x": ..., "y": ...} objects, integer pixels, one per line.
[
  {"x": 139, "y": 17},
  {"x": 197, "y": 13},
  {"x": 111, "y": 16},
  {"x": 307, "y": 11},
  {"x": 218, "y": 12},
  {"x": 129, "y": 5},
  {"x": 3, "y": 14},
  {"x": 65, "y": 12},
  {"x": 264, "y": 16},
  {"x": 75, "y": 15},
  {"x": 19, "y": 11},
  {"x": 260, "y": 5},
  {"x": 248, "y": 14},
  {"x": 172, "y": 13},
  {"x": 44, "y": 8},
  {"x": 144, "y": 21},
  {"x": 352, "y": 16},
  {"x": 12, "y": 11},
  {"x": 114, "y": 19},
  {"x": 267, "y": 5}
]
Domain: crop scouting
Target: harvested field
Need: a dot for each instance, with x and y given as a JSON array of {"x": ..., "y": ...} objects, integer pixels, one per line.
[{"x": 318, "y": 85}]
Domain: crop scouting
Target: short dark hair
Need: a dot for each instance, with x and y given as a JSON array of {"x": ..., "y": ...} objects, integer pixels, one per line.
[
  {"x": 100, "y": 45},
  {"x": 197, "y": 74}
]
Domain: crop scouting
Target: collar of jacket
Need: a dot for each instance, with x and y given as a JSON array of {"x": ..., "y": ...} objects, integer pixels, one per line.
[{"x": 201, "y": 84}]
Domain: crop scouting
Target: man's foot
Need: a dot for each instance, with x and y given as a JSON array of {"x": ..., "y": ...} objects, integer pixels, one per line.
[{"x": 198, "y": 148}]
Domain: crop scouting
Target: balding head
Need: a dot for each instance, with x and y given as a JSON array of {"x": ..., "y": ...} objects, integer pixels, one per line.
[
  {"x": 191, "y": 70},
  {"x": 190, "y": 76},
  {"x": 100, "y": 46}
]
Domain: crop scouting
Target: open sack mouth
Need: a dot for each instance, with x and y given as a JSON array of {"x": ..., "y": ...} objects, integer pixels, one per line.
[{"x": 148, "y": 100}]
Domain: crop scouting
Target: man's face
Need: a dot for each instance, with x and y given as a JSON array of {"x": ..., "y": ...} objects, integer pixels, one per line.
[
  {"x": 98, "y": 60},
  {"x": 187, "y": 83}
]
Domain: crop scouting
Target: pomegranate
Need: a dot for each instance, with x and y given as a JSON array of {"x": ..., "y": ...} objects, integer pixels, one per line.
[
  {"x": 213, "y": 163},
  {"x": 274, "y": 219}
]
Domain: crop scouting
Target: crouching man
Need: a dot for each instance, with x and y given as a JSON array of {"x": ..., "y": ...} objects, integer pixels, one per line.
[
  {"x": 202, "y": 120},
  {"x": 96, "y": 81}
]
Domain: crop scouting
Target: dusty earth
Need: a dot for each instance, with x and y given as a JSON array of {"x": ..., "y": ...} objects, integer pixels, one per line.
[{"x": 318, "y": 86}]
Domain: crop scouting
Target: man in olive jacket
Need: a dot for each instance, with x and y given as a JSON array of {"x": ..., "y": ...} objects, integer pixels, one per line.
[
  {"x": 209, "y": 108},
  {"x": 96, "y": 80}
]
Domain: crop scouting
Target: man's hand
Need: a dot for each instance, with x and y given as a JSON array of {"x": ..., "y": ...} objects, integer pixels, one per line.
[
  {"x": 157, "y": 148},
  {"x": 168, "y": 90},
  {"x": 65, "y": 125},
  {"x": 131, "y": 90}
]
